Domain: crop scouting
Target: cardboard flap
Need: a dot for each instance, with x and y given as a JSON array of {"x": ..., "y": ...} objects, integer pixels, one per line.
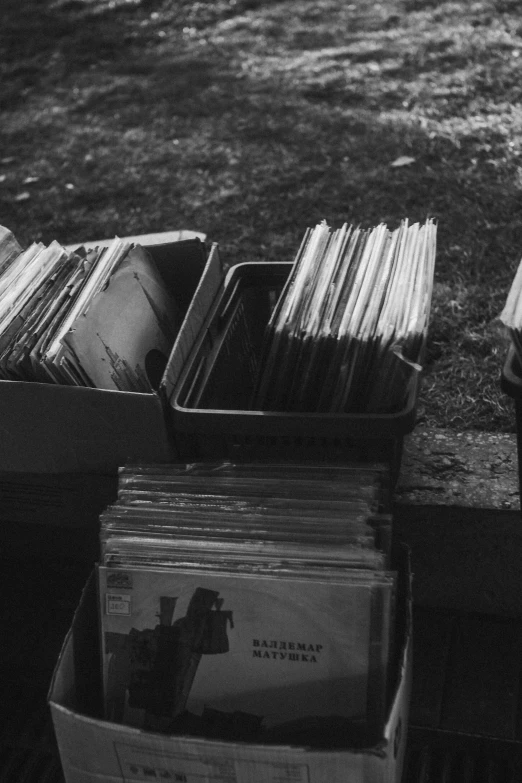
[
  {"x": 76, "y": 681},
  {"x": 206, "y": 292},
  {"x": 147, "y": 240}
]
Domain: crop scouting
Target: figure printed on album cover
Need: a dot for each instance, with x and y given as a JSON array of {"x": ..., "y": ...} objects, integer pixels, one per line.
[{"x": 153, "y": 669}]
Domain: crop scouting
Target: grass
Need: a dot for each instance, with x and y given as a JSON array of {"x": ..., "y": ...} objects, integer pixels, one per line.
[{"x": 251, "y": 120}]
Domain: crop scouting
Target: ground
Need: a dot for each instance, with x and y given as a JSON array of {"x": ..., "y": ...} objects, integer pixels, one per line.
[{"x": 251, "y": 120}]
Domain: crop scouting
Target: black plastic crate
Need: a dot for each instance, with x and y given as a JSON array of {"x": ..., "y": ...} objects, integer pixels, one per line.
[
  {"x": 209, "y": 404},
  {"x": 511, "y": 384}
]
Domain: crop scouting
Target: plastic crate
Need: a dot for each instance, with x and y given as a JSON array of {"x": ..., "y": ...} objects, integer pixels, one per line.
[
  {"x": 208, "y": 405},
  {"x": 511, "y": 384}
]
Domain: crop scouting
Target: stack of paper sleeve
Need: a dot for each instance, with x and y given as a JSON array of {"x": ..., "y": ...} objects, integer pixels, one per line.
[
  {"x": 87, "y": 318},
  {"x": 246, "y": 590},
  {"x": 348, "y": 332}
]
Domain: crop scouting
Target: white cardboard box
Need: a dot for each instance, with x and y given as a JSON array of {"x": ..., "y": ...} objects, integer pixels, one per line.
[
  {"x": 46, "y": 428},
  {"x": 93, "y": 750}
]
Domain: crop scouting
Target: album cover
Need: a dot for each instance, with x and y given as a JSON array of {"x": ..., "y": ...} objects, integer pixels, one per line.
[{"x": 276, "y": 648}]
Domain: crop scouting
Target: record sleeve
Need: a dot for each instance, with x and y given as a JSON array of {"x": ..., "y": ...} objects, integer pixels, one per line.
[
  {"x": 116, "y": 353},
  {"x": 279, "y": 649},
  {"x": 9, "y": 249}
]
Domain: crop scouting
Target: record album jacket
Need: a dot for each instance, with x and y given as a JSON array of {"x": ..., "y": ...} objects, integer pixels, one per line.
[{"x": 278, "y": 649}]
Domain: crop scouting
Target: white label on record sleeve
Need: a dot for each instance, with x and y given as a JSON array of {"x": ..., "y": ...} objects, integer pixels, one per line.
[
  {"x": 139, "y": 764},
  {"x": 117, "y": 603}
]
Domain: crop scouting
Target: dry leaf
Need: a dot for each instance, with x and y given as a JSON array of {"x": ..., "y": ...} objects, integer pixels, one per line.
[{"x": 403, "y": 160}]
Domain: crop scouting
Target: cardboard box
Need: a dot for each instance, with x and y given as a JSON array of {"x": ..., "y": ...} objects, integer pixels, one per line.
[
  {"x": 93, "y": 750},
  {"x": 47, "y": 428},
  {"x": 60, "y": 446}
]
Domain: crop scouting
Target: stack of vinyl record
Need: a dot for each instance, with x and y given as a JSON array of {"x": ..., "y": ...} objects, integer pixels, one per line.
[
  {"x": 247, "y": 596},
  {"x": 348, "y": 331},
  {"x": 98, "y": 318}
]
